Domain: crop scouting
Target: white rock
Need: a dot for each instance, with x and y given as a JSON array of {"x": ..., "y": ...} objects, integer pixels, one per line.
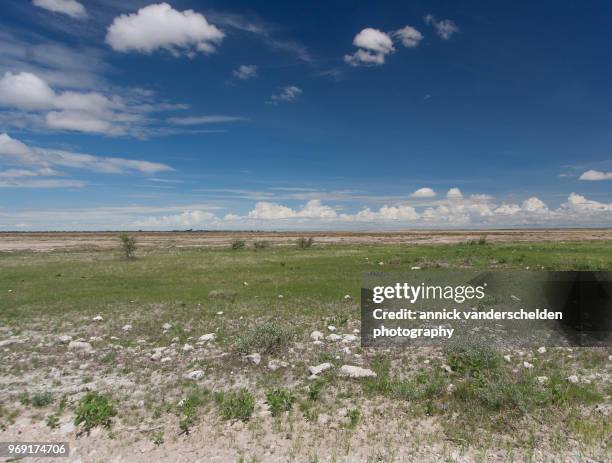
[
  {"x": 316, "y": 336},
  {"x": 166, "y": 360},
  {"x": 573, "y": 379},
  {"x": 542, "y": 379},
  {"x": 415, "y": 268},
  {"x": 127, "y": 327},
  {"x": 507, "y": 358},
  {"x": 67, "y": 428},
  {"x": 195, "y": 375},
  {"x": 356, "y": 372},
  {"x": 334, "y": 337},
  {"x": 356, "y": 331},
  {"x": 349, "y": 338},
  {"x": 542, "y": 350},
  {"x": 79, "y": 345},
  {"x": 97, "y": 318},
  {"x": 450, "y": 388},
  {"x": 527, "y": 365},
  {"x": 331, "y": 328},
  {"x": 254, "y": 358},
  {"x": 220, "y": 312},
  {"x": 244, "y": 283},
  {"x": 166, "y": 326},
  {"x": 347, "y": 297},
  {"x": 6, "y": 342},
  {"x": 156, "y": 355},
  {"x": 318, "y": 369},
  {"x": 381, "y": 263},
  {"x": 187, "y": 348},
  {"x": 447, "y": 368},
  {"x": 317, "y": 343},
  {"x": 207, "y": 337},
  {"x": 346, "y": 350},
  {"x": 426, "y": 361},
  {"x": 64, "y": 338},
  {"x": 274, "y": 364}
]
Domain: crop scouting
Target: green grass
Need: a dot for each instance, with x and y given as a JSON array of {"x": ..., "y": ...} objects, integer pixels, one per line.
[{"x": 65, "y": 282}]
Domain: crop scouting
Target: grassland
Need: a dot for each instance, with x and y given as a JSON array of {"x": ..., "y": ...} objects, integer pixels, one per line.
[{"x": 485, "y": 407}]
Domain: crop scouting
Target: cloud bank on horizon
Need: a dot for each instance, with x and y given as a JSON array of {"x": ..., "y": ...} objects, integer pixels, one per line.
[{"x": 173, "y": 118}]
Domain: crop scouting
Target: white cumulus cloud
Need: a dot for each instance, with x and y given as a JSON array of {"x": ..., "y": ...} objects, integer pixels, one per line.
[
  {"x": 373, "y": 45},
  {"x": 159, "y": 26},
  {"x": 423, "y": 193},
  {"x": 595, "y": 175},
  {"x": 71, "y": 8},
  {"x": 409, "y": 36}
]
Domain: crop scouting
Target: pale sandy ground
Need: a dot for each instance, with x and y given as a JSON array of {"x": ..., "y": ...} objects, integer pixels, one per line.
[{"x": 44, "y": 241}]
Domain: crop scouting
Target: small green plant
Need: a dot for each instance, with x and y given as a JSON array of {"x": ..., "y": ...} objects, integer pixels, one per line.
[
  {"x": 266, "y": 338},
  {"x": 261, "y": 244},
  {"x": 158, "y": 437},
  {"x": 314, "y": 389},
  {"x": 41, "y": 399},
  {"x": 305, "y": 243},
  {"x": 94, "y": 409},
  {"x": 279, "y": 400},
  {"x": 24, "y": 399},
  {"x": 189, "y": 408},
  {"x": 238, "y": 244},
  {"x": 474, "y": 361},
  {"x": 128, "y": 245},
  {"x": 354, "y": 416},
  {"x": 235, "y": 405},
  {"x": 53, "y": 419}
]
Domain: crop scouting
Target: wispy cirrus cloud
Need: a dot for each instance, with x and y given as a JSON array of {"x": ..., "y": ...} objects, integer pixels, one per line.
[
  {"x": 35, "y": 162},
  {"x": 70, "y": 8}
]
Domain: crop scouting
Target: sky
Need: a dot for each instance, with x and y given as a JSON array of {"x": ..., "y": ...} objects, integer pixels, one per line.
[{"x": 338, "y": 115}]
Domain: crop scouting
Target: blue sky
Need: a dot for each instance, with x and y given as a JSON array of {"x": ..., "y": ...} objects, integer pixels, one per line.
[{"x": 288, "y": 115}]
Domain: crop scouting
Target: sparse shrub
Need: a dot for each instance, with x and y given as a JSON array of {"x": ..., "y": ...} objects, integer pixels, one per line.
[
  {"x": 238, "y": 244},
  {"x": 261, "y": 244},
  {"x": 279, "y": 400},
  {"x": 266, "y": 338},
  {"x": 305, "y": 243},
  {"x": 482, "y": 240},
  {"x": 354, "y": 415},
  {"x": 128, "y": 245},
  {"x": 42, "y": 399},
  {"x": 94, "y": 409},
  {"x": 236, "y": 405}
]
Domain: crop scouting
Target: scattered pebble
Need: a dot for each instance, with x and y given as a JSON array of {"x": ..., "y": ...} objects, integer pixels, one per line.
[
  {"x": 331, "y": 328},
  {"x": 274, "y": 364},
  {"x": 318, "y": 369},
  {"x": 356, "y": 372},
  {"x": 254, "y": 358},
  {"x": 97, "y": 318},
  {"x": 347, "y": 297},
  {"x": 334, "y": 337},
  {"x": 573, "y": 379},
  {"x": 80, "y": 345},
  {"x": 166, "y": 326},
  {"x": 542, "y": 379},
  {"x": 195, "y": 375},
  {"x": 507, "y": 358},
  {"x": 542, "y": 350},
  {"x": 64, "y": 338},
  {"x": 447, "y": 368},
  {"x": 187, "y": 348},
  {"x": 316, "y": 336},
  {"x": 527, "y": 365},
  {"x": 207, "y": 337},
  {"x": 127, "y": 327},
  {"x": 415, "y": 268}
]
